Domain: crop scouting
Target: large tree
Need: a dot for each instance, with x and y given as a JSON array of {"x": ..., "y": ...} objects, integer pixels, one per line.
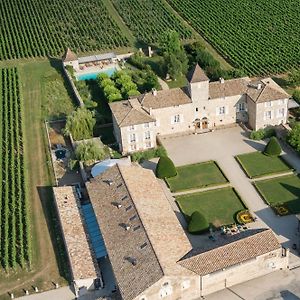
[
  {"x": 89, "y": 152},
  {"x": 294, "y": 136},
  {"x": 80, "y": 124}
]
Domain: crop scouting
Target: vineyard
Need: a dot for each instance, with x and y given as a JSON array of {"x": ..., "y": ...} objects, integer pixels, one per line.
[
  {"x": 14, "y": 223},
  {"x": 258, "y": 36},
  {"x": 46, "y": 27},
  {"x": 147, "y": 19}
]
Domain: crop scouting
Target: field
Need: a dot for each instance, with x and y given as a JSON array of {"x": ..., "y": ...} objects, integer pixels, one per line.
[
  {"x": 149, "y": 19},
  {"x": 196, "y": 176},
  {"x": 46, "y": 28},
  {"x": 218, "y": 206},
  {"x": 257, "y": 164},
  {"x": 261, "y": 37},
  {"x": 14, "y": 222},
  {"x": 49, "y": 262},
  {"x": 282, "y": 190}
]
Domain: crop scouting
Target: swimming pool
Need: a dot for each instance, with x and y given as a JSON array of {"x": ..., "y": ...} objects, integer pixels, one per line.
[{"x": 93, "y": 76}]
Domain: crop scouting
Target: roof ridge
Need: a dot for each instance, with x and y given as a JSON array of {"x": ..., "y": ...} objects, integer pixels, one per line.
[{"x": 127, "y": 113}]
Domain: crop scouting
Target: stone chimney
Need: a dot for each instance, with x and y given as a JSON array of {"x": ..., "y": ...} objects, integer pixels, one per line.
[
  {"x": 222, "y": 80},
  {"x": 154, "y": 92},
  {"x": 259, "y": 86}
]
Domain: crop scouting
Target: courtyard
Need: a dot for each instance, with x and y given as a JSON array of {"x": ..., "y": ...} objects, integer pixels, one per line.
[
  {"x": 219, "y": 206},
  {"x": 196, "y": 176}
]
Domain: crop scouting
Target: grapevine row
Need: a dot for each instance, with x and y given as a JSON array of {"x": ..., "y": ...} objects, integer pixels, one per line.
[{"x": 14, "y": 222}]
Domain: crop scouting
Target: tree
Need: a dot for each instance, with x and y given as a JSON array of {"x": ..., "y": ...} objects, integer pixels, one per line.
[
  {"x": 198, "y": 223},
  {"x": 296, "y": 95},
  {"x": 89, "y": 152},
  {"x": 80, "y": 124},
  {"x": 174, "y": 66},
  {"x": 165, "y": 168},
  {"x": 273, "y": 147},
  {"x": 294, "y": 136},
  {"x": 170, "y": 42}
]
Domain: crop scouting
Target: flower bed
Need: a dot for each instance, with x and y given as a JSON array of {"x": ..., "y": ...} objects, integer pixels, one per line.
[{"x": 244, "y": 217}]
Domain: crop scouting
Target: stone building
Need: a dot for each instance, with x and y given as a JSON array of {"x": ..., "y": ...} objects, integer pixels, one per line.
[
  {"x": 150, "y": 253},
  {"x": 199, "y": 107}
]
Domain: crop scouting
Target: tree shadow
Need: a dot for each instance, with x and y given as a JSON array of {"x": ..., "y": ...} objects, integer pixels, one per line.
[
  {"x": 259, "y": 146},
  {"x": 50, "y": 213}
]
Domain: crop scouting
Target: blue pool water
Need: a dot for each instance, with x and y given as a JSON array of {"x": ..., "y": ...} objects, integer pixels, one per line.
[{"x": 93, "y": 76}]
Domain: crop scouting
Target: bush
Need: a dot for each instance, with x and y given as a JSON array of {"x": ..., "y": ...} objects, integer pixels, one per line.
[
  {"x": 198, "y": 223},
  {"x": 149, "y": 154},
  {"x": 262, "y": 133},
  {"x": 296, "y": 96},
  {"x": 273, "y": 147},
  {"x": 165, "y": 168}
]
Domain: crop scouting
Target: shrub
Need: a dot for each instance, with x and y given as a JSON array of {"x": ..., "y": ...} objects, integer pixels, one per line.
[
  {"x": 296, "y": 96},
  {"x": 262, "y": 133},
  {"x": 198, "y": 223},
  {"x": 149, "y": 154},
  {"x": 89, "y": 152},
  {"x": 273, "y": 147},
  {"x": 165, "y": 168}
]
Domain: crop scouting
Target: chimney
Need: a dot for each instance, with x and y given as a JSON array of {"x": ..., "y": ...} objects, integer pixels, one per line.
[
  {"x": 127, "y": 227},
  {"x": 259, "y": 86},
  {"x": 222, "y": 80},
  {"x": 154, "y": 92},
  {"x": 119, "y": 205}
]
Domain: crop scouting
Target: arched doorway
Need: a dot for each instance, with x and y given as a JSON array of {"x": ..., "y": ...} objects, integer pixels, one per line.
[{"x": 204, "y": 123}]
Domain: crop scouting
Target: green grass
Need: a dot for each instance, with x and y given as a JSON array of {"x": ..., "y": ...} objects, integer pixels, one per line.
[
  {"x": 196, "y": 176},
  {"x": 178, "y": 83},
  {"x": 218, "y": 206},
  {"x": 257, "y": 164},
  {"x": 281, "y": 190}
]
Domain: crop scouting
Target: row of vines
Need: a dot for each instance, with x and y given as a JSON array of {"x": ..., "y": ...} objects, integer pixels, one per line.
[
  {"x": 14, "y": 221},
  {"x": 46, "y": 27},
  {"x": 148, "y": 19},
  {"x": 261, "y": 37}
]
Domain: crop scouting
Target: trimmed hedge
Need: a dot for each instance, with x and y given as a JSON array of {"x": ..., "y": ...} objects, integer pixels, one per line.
[
  {"x": 273, "y": 147},
  {"x": 140, "y": 156},
  {"x": 165, "y": 168},
  {"x": 198, "y": 223},
  {"x": 262, "y": 133}
]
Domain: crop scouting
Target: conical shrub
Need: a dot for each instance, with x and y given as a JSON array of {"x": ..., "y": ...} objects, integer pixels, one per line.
[
  {"x": 273, "y": 147},
  {"x": 198, "y": 223},
  {"x": 165, "y": 168}
]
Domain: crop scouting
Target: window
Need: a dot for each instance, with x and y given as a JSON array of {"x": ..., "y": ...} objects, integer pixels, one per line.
[
  {"x": 281, "y": 112},
  {"x": 268, "y": 104},
  {"x": 133, "y": 147},
  {"x": 196, "y": 108},
  {"x": 128, "y": 207},
  {"x": 147, "y": 135},
  {"x": 241, "y": 107},
  {"x": 222, "y": 110},
  {"x": 143, "y": 245},
  {"x": 148, "y": 145},
  {"x": 280, "y": 102},
  {"x": 268, "y": 115},
  {"x": 146, "y": 125},
  {"x": 131, "y": 127},
  {"x": 132, "y": 138},
  {"x": 177, "y": 119}
]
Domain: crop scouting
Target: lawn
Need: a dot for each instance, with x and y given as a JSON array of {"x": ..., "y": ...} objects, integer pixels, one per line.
[
  {"x": 257, "y": 164},
  {"x": 282, "y": 190},
  {"x": 196, "y": 176},
  {"x": 218, "y": 206}
]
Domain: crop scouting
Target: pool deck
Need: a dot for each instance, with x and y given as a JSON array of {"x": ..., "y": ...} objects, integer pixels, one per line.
[{"x": 96, "y": 69}]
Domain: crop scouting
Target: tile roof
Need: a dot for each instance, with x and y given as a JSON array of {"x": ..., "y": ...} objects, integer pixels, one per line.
[
  {"x": 228, "y": 88},
  {"x": 269, "y": 91},
  {"x": 69, "y": 55},
  {"x": 129, "y": 112},
  {"x": 230, "y": 251},
  {"x": 149, "y": 248},
  {"x": 196, "y": 74},
  {"x": 83, "y": 264},
  {"x": 165, "y": 98}
]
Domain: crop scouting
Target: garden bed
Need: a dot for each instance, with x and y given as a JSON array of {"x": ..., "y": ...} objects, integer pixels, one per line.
[
  {"x": 219, "y": 206},
  {"x": 196, "y": 176},
  {"x": 256, "y": 164},
  {"x": 281, "y": 193}
]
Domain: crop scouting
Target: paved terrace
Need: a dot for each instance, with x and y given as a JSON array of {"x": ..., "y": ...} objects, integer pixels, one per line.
[{"x": 222, "y": 146}]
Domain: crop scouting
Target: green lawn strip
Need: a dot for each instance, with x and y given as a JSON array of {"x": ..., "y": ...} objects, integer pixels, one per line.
[
  {"x": 218, "y": 206},
  {"x": 256, "y": 164},
  {"x": 281, "y": 190},
  {"x": 196, "y": 176}
]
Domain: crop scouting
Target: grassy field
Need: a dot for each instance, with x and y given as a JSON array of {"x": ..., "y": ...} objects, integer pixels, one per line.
[
  {"x": 218, "y": 206},
  {"x": 260, "y": 37},
  {"x": 49, "y": 262},
  {"x": 196, "y": 176},
  {"x": 257, "y": 164},
  {"x": 281, "y": 190}
]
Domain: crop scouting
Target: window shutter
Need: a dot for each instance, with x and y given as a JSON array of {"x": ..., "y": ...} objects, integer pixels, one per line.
[
  {"x": 172, "y": 120},
  {"x": 226, "y": 110},
  {"x": 217, "y": 111},
  {"x": 181, "y": 118}
]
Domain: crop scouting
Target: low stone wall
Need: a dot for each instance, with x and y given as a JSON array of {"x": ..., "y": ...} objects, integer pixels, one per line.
[{"x": 74, "y": 89}]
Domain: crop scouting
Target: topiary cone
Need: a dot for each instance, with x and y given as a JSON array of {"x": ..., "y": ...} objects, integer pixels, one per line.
[
  {"x": 198, "y": 223},
  {"x": 273, "y": 147},
  {"x": 165, "y": 168}
]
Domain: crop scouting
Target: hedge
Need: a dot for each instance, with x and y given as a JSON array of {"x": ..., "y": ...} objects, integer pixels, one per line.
[{"x": 273, "y": 147}]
